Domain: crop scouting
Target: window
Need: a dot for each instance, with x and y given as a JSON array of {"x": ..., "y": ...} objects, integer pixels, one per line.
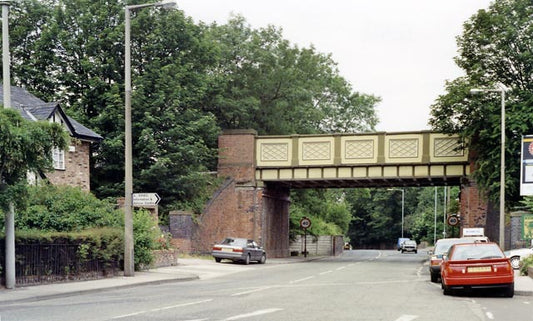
[{"x": 59, "y": 158}]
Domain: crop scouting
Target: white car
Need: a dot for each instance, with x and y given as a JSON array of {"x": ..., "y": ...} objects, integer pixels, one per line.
[{"x": 517, "y": 255}]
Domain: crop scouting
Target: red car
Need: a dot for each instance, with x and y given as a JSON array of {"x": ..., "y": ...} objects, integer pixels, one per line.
[{"x": 476, "y": 266}]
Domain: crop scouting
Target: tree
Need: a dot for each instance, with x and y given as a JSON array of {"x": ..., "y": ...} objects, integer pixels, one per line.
[
  {"x": 189, "y": 82},
  {"x": 496, "y": 46},
  {"x": 264, "y": 82},
  {"x": 77, "y": 59},
  {"x": 326, "y": 208},
  {"x": 25, "y": 146}
]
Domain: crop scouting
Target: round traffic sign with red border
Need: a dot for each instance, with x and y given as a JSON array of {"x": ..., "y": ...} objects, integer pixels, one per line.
[
  {"x": 453, "y": 220},
  {"x": 305, "y": 223}
]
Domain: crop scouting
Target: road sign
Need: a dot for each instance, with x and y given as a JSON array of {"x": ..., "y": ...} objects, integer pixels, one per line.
[
  {"x": 453, "y": 220},
  {"x": 140, "y": 199},
  {"x": 305, "y": 223}
]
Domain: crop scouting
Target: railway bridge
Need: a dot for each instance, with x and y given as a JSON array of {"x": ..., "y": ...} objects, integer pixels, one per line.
[{"x": 262, "y": 170}]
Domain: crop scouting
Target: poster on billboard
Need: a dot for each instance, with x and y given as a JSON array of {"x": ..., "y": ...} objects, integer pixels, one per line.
[
  {"x": 527, "y": 227},
  {"x": 526, "y": 168}
]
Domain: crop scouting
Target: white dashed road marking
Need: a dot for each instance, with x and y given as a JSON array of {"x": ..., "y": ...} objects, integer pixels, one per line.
[
  {"x": 161, "y": 309},
  {"x": 247, "y": 315},
  {"x": 252, "y": 291},
  {"x": 407, "y": 317},
  {"x": 300, "y": 280}
]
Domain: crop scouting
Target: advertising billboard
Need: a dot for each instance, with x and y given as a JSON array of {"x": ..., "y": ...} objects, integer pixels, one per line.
[{"x": 526, "y": 168}]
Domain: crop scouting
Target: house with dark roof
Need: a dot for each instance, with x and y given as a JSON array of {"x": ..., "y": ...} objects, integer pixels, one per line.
[{"x": 71, "y": 166}]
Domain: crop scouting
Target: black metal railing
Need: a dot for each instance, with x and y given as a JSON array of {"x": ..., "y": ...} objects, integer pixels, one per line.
[{"x": 51, "y": 263}]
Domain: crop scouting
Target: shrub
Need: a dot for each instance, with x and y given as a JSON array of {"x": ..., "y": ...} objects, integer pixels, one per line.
[
  {"x": 73, "y": 214},
  {"x": 103, "y": 244},
  {"x": 65, "y": 208},
  {"x": 146, "y": 232},
  {"x": 527, "y": 262}
]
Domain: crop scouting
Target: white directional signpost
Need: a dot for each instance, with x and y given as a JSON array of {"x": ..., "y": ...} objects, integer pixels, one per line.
[{"x": 143, "y": 199}]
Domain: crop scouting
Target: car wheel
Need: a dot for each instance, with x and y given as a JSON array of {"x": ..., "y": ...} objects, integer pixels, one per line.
[
  {"x": 445, "y": 289},
  {"x": 247, "y": 259},
  {"x": 403, "y": 251},
  {"x": 509, "y": 291},
  {"x": 218, "y": 260},
  {"x": 515, "y": 262},
  {"x": 416, "y": 251},
  {"x": 434, "y": 277},
  {"x": 263, "y": 259}
]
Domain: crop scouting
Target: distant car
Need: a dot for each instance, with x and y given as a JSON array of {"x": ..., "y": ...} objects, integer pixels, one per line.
[
  {"x": 400, "y": 242},
  {"x": 409, "y": 246},
  {"x": 476, "y": 265},
  {"x": 239, "y": 250},
  {"x": 347, "y": 246},
  {"x": 441, "y": 247},
  {"x": 517, "y": 255}
]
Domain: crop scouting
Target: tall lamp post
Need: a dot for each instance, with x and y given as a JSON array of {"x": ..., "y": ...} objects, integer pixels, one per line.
[
  {"x": 128, "y": 154},
  {"x": 501, "y": 89},
  {"x": 403, "y": 202},
  {"x": 6, "y": 86}
]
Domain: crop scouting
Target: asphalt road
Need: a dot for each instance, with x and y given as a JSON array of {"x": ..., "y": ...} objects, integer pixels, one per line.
[{"x": 359, "y": 285}]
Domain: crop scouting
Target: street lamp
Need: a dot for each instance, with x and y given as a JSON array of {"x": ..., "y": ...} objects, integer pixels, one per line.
[
  {"x": 10, "y": 214},
  {"x": 501, "y": 89},
  {"x": 403, "y": 201},
  {"x": 128, "y": 178}
]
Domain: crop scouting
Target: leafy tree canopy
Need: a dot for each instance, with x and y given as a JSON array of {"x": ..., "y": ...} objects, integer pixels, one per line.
[
  {"x": 496, "y": 47},
  {"x": 25, "y": 146},
  {"x": 190, "y": 81},
  {"x": 264, "y": 82}
]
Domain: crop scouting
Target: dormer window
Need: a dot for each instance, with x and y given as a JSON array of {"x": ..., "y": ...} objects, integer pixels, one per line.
[{"x": 59, "y": 158}]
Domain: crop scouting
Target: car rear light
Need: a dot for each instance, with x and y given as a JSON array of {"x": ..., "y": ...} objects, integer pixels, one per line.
[
  {"x": 217, "y": 248},
  {"x": 238, "y": 250}
]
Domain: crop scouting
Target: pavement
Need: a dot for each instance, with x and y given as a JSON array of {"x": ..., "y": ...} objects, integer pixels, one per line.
[{"x": 179, "y": 273}]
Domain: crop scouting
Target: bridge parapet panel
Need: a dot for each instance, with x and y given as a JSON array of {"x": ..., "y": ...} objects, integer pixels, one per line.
[{"x": 411, "y": 155}]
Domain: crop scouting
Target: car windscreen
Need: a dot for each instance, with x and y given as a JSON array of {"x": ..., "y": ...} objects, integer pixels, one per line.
[
  {"x": 476, "y": 252},
  {"x": 234, "y": 242},
  {"x": 444, "y": 245}
]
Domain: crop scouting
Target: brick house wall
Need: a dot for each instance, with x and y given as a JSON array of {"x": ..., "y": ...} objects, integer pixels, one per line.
[{"x": 77, "y": 168}]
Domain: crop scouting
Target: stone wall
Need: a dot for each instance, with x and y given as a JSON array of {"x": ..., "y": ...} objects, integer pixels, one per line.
[
  {"x": 77, "y": 168},
  {"x": 165, "y": 258},
  {"x": 515, "y": 236}
]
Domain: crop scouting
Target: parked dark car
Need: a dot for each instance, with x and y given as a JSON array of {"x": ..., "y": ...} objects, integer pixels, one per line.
[
  {"x": 476, "y": 265},
  {"x": 239, "y": 250}
]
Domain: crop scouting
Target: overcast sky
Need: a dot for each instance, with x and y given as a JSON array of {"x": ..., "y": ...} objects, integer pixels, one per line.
[{"x": 399, "y": 50}]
